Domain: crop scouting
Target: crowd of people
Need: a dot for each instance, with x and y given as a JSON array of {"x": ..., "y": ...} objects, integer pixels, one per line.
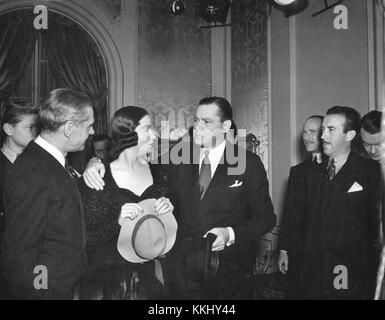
[
  {"x": 331, "y": 234},
  {"x": 129, "y": 228}
]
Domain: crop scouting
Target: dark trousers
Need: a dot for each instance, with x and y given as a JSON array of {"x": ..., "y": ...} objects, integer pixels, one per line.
[{"x": 184, "y": 275}]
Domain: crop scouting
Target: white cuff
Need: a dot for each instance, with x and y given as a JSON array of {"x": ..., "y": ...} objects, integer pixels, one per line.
[
  {"x": 283, "y": 251},
  {"x": 231, "y": 236}
]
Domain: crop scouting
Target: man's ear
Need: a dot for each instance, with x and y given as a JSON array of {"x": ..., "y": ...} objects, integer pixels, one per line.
[
  {"x": 68, "y": 129},
  {"x": 350, "y": 135},
  {"x": 8, "y": 129},
  {"x": 226, "y": 125}
]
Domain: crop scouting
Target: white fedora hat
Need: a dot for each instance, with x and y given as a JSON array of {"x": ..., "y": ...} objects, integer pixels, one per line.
[{"x": 148, "y": 236}]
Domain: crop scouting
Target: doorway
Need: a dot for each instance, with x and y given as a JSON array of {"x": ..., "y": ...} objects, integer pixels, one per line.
[{"x": 33, "y": 62}]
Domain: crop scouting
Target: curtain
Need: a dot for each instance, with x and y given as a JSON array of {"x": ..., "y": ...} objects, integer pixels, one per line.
[
  {"x": 17, "y": 38},
  {"x": 76, "y": 64}
]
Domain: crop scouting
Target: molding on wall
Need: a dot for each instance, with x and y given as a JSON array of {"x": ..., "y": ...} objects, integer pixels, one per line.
[
  {"x": 221, "y": 61},
  {"x": 293, "y": 91},
  {"x": 130, "y": 10},
  {"x": 93, "y": 21},
  {"x": 379, "y": 56},
  {"x": 228, "y": 59},
  {"x": 269, "y": 108},
  {"x": 371, "y": 54}
]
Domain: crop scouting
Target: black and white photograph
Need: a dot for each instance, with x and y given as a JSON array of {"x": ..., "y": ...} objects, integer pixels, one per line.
[{"x": 204, "y": 151}]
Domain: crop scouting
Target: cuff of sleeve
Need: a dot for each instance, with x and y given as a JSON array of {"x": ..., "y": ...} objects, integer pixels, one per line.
[
  {"x": 283, "y": 251},
  {"x": 231, "y": 236}
]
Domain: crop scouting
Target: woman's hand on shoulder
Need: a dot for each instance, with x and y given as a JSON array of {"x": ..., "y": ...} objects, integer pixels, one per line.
[
  {"x": 94, "y": 173},
  {"x": 163, "y": 205},
  {"x": 129, "y": 211}
]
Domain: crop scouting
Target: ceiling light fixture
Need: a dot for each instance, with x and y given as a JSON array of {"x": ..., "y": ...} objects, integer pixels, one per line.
[{"x": 289, "y": 7}]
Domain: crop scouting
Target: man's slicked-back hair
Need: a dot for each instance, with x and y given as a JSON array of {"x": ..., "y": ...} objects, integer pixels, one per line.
[
  {"x": 316, "y": 116},
  {"x": 352, "y": 117},
  {"x": 225, "y": 110},
  {"x": 61, "y": 106},
  {"x": 371, "y": 122}
]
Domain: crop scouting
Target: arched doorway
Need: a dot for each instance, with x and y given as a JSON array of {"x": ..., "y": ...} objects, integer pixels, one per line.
[
  {"x": 62, "y": 56},
  {"x": 92, "y": 25},
  {"x": 93, "y": 21}
]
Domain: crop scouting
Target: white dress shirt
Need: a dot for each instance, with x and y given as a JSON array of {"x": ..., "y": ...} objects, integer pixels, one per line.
[
  {"x": 52, "y": 150},
  {"x": 9, "y": 153},
  {"x": 215, "y": 156},
  {"x": 340, "y": 160},
  {"x": 318, "y": 155}
]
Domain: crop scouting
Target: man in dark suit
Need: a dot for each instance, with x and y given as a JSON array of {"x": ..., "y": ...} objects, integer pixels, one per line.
[
  {"x": 210, "y": 197},
  {"x": 220, "y": 189},
  {"x": 44, "y": 238},
  {"x": 372, "y": 139},
  {"x": 293, "y": 226},
  {"x": 341, "y": 205}
]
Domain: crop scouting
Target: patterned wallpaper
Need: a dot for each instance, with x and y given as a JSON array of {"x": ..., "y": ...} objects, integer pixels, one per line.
[
  {"x": 250, "y": 90},
  {"x": 249, "y": 70},
  {"x": 174, "y": 64}
]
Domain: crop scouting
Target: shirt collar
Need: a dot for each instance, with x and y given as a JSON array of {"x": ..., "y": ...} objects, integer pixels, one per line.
[
  {"x": 318, "y": 155},
  {"x": 9, "y": 153},
  {"x": 51, "y": 149},
  {"x": 215, "y": 154},
  {"x": 340, "y": 160}
]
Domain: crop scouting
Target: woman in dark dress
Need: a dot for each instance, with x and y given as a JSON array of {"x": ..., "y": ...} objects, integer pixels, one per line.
[
  {"x": 18, "y": 128},
  {"x": 129, "y": 179}
]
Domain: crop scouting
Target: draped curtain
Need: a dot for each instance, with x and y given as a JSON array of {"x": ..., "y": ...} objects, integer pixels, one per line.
[
  {"x": 17, "y": 38},
  {"x": 75, "y": 62}
]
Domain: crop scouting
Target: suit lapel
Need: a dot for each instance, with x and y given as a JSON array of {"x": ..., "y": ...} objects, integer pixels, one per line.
[
  {"x": 66, "y": 181},
  {"x": 343, "y": 180},
  {"x": 218, "y": 182},
  {"x": 190, "y": 177}
]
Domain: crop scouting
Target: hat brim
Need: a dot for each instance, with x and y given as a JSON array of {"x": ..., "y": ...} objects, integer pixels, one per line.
[{"x": 124, "y": 243}]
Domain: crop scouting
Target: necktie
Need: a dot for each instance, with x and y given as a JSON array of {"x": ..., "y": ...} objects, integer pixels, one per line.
[
  {"x": 331, "y": 169},
  {"x": 315, "y": 160},
  {"x": 72, "y": 172},
  {"x": 205, "y": 175}
]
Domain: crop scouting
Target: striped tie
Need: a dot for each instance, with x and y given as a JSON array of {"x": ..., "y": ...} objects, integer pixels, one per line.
[
  {"x": 205, "y": 175},
  {"x": 331, "y": 169}
]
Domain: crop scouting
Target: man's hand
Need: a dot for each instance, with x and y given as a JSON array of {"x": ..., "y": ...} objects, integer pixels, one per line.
[
  {"x": 163, "y": 205},
  {"x": 130, "y": 211},
  {"x": 94, "y": 173},
  {"x": 283, "y": 262},
  {"x": 221, "y": 240}
]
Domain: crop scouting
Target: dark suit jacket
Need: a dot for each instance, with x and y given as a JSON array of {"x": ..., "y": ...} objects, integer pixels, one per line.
[
  {"x": 292, "y": 224},
  {"x": 342, "y": 229},
  {"x": 44, "y": 226},
  {"x": 5, "y": 165},
  {"x": 246, "y": 208}
]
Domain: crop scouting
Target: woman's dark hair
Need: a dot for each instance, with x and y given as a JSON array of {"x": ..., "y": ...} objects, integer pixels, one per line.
[
  {"x": 123, "y": 125},
  {"x": 13, "y": 114}
]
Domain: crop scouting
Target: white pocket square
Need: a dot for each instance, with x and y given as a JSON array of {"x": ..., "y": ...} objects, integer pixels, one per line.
[
  {"x": 236, "y": 184},
  {"x": 355, "y": 187}
]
